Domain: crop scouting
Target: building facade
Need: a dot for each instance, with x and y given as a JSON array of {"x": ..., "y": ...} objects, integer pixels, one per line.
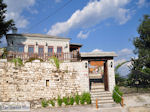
[
  {"x": 37, "y": 43},
  {"x": 94, "y": 68}
]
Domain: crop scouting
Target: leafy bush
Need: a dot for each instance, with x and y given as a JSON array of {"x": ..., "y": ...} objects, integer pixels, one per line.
[
  {"x": 52, "y": 103},
  {"x": 88, "y": 98},
  {"x": 85, "y": 97},
  {"x": 77, "y": 99},
  {"x": 116, "y": 97},
  {"x": 66, "y": 100},
  {"x": 82, "y": 100},
  {"x": 44, "y": 103},
  {"x": 71, "y": 101},
  {"x": 17, "y": 62},
  {"x": 59, "y": 101},
  {"x": 4, "y": 54}
]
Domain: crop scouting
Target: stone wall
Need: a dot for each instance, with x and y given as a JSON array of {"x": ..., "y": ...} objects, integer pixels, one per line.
[{"x": 28, "y": 83}]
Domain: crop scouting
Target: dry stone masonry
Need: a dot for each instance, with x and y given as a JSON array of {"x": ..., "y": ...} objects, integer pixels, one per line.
[{"x": 40, "y": 80}]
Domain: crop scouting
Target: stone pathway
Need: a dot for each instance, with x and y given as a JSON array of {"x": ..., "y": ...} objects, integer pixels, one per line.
[
  {"x": 133, "y": 103},
  {"x": 77, "y": 109}
]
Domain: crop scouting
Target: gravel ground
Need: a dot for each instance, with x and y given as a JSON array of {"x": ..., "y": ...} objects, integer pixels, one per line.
[{"x": 133, "y": 103}]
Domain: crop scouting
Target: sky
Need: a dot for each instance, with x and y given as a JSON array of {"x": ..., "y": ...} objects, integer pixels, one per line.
[{"x": 100, "y": 25}]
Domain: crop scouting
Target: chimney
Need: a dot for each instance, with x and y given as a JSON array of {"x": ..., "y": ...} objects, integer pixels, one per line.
[{"x": 14, "y": 30}]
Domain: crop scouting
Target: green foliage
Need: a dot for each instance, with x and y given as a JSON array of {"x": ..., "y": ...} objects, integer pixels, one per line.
[
  {"x": 116, "y": 97},
  {"x": 77, "y": 99},
  {"x": 32, "y": 59},
  {"x": 52, "y": 103},
  {"x": 142, "y": 43},
  {"x": 17, "y": 62},
  {"x": 5, "y": 26},
  {"x": 44, "y": 103},
  {"x": 82, "y": 100},
  {"x": 4, "y": 55},
  {"x": 66, "y": 100},
  {"x": 71, "y": 100},
  {"x": 59, "y": 101},
  {"x": 55, "y": 61},
  {"x": 85, "y": 97}
]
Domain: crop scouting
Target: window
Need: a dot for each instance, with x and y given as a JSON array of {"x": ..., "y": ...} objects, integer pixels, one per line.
[
  {"x": 41, "y": 50},
  {"x": 31, "y": 49},
  {"x": 50, "y": 51},
  {"x": 59, "y": 51},
  {"x": 47, "y": 83},
  {"x": 21, "y": 48}
]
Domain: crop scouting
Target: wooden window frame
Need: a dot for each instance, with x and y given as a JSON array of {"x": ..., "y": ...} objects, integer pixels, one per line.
[
  {"x": 51, "y": 47},
  {"x": 61, "y": 49},
  {"x": 23, "y": 47},
  {"x": 41, "y": 46},
  {"x": 31, "y": 46}
]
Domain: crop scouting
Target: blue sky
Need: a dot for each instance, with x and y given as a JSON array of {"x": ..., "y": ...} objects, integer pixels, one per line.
[{"x": 100, "y": 25}]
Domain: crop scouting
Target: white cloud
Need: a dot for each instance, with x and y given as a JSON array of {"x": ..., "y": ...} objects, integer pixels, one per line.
[
  {"x": 97, "y": 50},
  {"x": 141, "y": 3},
  {"x": 124, "y": 55},
  {"x": 93, "y": 13},
  {"x": 124, "y": 52},
  {"x": 15, "y": 9},
  {"x": 83, "y": 35}
]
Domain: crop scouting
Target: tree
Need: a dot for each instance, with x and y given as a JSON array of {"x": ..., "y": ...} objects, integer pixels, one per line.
[
  {"x": 142, "y": 43},
  {"x": 5, "y": 26},
  {"x": 140, "y": 70}
]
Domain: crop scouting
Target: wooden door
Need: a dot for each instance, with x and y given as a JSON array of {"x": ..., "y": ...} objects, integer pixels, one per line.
[{"x": 106, "y": 76}]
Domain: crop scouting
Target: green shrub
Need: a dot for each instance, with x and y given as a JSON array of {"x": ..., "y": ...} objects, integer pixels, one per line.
[
  {"x": 71, "y": 101},
  {"x": 88, "y": 98},
  {"x": 85, "y": 97},
  {"x": 17, "y": 61},
  {"x": 52, "y": 103},
  {"x": 115, "y": 96},
  {"x": 82, "y": 98},
  {"x": 59, "y": 101},
  {"x": 77, "y": 99},
  {"x": 66, "y": 100},
  {"x": 44, "y": 103}
]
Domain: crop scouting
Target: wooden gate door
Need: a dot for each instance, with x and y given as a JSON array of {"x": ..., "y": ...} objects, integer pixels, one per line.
[{"x": 106, "y": 76}]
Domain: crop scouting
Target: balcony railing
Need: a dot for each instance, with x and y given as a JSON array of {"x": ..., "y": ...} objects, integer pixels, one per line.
[{"x": 44, "y": 56}]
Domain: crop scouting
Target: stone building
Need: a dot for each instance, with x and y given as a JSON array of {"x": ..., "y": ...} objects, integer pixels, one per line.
[{"x": 91, "y": 72}]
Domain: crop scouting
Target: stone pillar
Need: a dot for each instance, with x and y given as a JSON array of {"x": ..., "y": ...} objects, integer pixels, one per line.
[{"x": 111, "y": 75}]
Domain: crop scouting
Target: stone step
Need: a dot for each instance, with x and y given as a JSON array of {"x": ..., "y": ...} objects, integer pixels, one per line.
[
  {"x": 97, "y": 90},
  {"x": 101, "y": 98},
  {"x": 109, "y": 105},
  {"x": 100, "y": 95},
  {"x": 97, "y": 84},
  {"x": 97, "y": 87},
  {"x": 103, "y": 101},
  {"x": 101, "y": 92}
]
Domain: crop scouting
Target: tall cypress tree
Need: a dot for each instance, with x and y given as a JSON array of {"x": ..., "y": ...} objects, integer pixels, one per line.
[{"x": 5, "y": 26}]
